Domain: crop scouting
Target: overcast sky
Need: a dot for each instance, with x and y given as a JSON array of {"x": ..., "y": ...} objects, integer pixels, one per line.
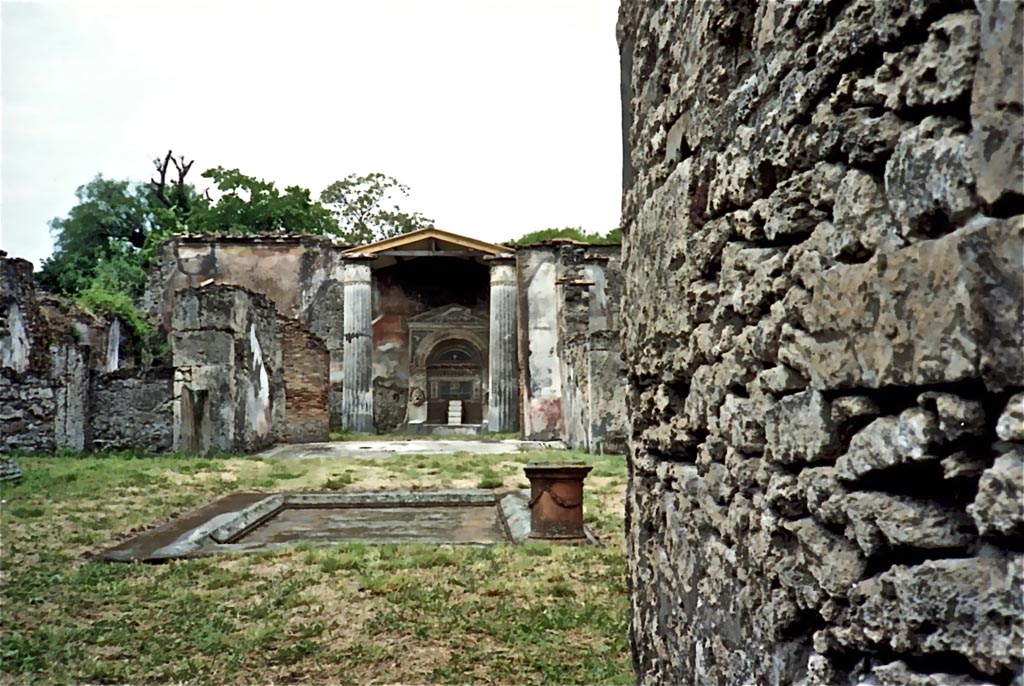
[{"x": 501, "y": 115}]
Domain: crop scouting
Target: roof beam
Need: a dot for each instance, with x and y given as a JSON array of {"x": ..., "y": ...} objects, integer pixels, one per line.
[{"x": 429, "y": 253}]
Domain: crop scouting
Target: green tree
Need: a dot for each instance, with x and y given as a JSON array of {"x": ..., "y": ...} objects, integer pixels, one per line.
[
  {"x": 112, "y": 218},
  {"x": 366, "y": 211},
  {"x": 249, "y": 205},
  {"x": 575, "y": 233}
]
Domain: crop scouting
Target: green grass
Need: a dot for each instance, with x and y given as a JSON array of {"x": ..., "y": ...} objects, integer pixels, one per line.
[{"x": 347, "y": 614}]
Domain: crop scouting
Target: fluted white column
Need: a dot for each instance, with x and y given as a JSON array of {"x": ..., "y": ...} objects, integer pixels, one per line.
[
  {"x": 503, "y": 404},
  {"x": 356, "y": 393}
]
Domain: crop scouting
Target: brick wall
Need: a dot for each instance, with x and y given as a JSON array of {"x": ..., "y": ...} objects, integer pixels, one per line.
[{"x": 306, "y": 366}]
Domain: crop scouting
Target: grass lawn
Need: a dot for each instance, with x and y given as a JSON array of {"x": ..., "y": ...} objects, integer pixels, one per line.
[{"x": 346, "y": 614}]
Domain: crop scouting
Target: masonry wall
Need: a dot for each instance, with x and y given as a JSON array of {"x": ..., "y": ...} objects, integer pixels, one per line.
[
  {"x": 572, "y": 377},
  {"x": 823, "y": 257},
  {"x": 228, "y": 384},
  {"x": 305, "y": 374},
  {"x": 592, "y": 376},
  {"x": 300, "y": 275},
  {"x": 27, "y": 411},
  {"x": 131, "y": 409}
]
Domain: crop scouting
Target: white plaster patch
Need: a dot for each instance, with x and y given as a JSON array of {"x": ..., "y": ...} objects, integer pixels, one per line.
[
  {"x": 15, "y": 347},
  {"x": 113, "y": 345},
  {"x": 257, "y": 401}
]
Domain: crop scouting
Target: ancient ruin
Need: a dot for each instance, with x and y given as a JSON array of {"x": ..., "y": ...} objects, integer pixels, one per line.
[
  {"x": 283, "y": 338},
  {"x": 823, "y": 264},
  {"x": 811, "y": 343}
]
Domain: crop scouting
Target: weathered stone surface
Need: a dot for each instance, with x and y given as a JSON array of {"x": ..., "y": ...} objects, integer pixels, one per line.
[
  {"x": 936, "y": 311},
  {"x": 898, "y": 674},
  {"x": 1010, "y": 426},
  {"x": 940, "y": 71},
  {"x": 964, "y": 463},
  {"x": 997, "y": 135},
  {"x": 835, "y": 563},
  {"x": 131, "y": 409},
  {"x": 849, "y": 409},
  {"x": 229, "y": 394},
  {"x": 824, "y": 494},
  {"x": 880, "y": 521},
  {"x": 998, "y": 510},
  {"x": 890, "y": 441},
  {"x": 863, "y": 218},
  {"x": 799, "y": 429},
  {"x": 742, "y": 424},
  {"x": 958, "y": 417},
  {"x": 967, "y": 606},
  {"x": 822, "y": 242}
]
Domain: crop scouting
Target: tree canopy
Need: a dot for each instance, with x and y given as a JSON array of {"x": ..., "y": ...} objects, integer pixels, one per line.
[
  {"x": 249, "y": 205},
  {"x": 576, "y": 233},
  {"x": 366, "y": 210},
  {"x": 109, "y": 225},
  {"x": 104, "y": 245}
]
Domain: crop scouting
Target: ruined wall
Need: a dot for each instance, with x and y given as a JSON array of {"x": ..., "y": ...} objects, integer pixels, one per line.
[
  {"x": 48, "y": 351},
  {"x": 18, "y": 316},
  {"x": 592, "y": 374},
  {"x": 305, "y": 374},
  {"x": 228, "y": 384},
  {"x": 823, "y": 329},
  {"x": 539, "y": 368},
  {"x": 573, "y": 379},
  {"x": 289, "y": 270},
  {"x": 27, "y": 411},
  {"x": 300, "y": 274},
  {"x": 131, "y": 409}
]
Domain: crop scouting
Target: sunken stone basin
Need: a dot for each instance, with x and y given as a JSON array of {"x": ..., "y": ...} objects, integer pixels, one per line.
[{"x": 248, "y": 522}]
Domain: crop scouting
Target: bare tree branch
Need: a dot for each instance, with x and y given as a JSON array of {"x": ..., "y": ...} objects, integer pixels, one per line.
[{"x": 159, "y": 187}]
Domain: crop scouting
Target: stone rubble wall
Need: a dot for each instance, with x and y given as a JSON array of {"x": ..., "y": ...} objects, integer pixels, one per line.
[
  {"x": 301, "y": 275},
  {"x": 131, "y": 410},
  {"x": 49, "y": 351},
  {"x": 823, "y": 270},
  {"x": 27, "y": 411},
  {"x": 19, "y": 317}
]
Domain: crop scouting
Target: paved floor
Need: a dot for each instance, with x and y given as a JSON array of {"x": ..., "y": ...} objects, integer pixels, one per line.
[{"x": 372, "y": 448}]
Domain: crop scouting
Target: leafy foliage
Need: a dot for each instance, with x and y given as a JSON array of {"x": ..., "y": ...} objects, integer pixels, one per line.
[
  {"x": 250, "y": 205},
  {"x": 106, "y": 243},
  {"x": 112, "y": 218},
  {"x": 365, "y": 209},
  {"x": 576, "y": 233},
  {"x": 118, "y": 280}
]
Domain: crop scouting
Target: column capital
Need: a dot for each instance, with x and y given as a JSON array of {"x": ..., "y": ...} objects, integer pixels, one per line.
[
  {"x": 500, "y": 258},
  {"x": 355, "y": 271}
]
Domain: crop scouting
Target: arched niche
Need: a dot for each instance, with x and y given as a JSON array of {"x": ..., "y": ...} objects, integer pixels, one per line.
[
  {"x": 448, "y": 357},
  {"x": 455, "y": 370}
]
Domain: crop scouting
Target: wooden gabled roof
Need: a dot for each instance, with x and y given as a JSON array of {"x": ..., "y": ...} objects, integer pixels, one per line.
[{"x": 431, "y": 240}]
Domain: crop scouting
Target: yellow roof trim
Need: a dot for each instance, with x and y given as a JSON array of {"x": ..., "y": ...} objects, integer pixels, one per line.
[{"x": 430, "y": 232}]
